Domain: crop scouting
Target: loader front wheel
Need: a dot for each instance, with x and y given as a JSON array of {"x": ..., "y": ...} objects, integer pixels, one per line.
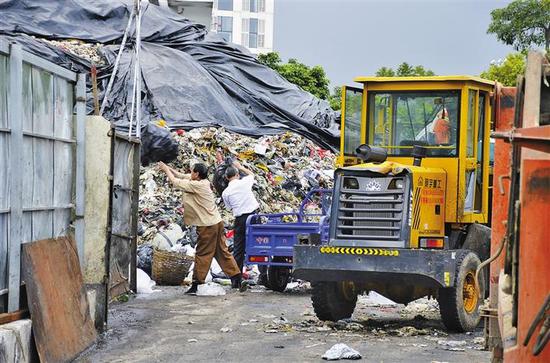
[
  {"x": 333, "y": 300},
  {"x": 459, "y": 305}
]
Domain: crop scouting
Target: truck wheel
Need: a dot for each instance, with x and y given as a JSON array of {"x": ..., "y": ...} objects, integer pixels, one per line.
[
  {"x": 459, "y": 305},
  {"x": 277, "y": 278},
  {"x": 333, "y": 300}
]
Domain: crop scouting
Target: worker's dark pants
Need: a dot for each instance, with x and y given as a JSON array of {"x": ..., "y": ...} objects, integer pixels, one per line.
[{"x": 239, "y": 241}]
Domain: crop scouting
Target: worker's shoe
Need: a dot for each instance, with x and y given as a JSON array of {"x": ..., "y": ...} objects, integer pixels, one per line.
[
  {"x": 236, "y": 281},
  {"x": 193, "y": 289}
]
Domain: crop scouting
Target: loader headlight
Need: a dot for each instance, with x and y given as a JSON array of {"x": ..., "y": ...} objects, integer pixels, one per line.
[
  {"x": 351, "y": 183},
  {"x": 396, "y": 184}
]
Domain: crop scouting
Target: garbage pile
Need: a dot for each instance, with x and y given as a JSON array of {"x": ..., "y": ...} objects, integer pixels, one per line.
[
  {"x": 89, "y": 51},
  {"x": 285, "y": 168}
]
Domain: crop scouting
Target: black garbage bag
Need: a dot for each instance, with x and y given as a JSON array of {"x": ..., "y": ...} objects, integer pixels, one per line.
[
  {"x": 157, "y": 144},
  {"x": 145, "y": 257},
  {"x": 219, "y": 181}
]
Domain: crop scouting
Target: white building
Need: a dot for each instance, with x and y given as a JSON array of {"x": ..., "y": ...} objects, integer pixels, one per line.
[
  {"x": 196, "y": 10},
  {"x": 245, "y": 22}
]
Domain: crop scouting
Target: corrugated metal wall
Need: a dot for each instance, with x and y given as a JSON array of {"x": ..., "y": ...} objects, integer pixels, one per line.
[{"x": 41, "y": 151}]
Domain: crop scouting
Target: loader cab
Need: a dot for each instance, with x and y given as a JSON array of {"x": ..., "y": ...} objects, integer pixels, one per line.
[{"x": 448, "y": 115}]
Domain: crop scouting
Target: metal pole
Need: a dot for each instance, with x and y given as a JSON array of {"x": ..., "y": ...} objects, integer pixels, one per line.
[
  {"x": 132, "y": 103},
  {"x": 138, "y": 70},
  {"x": 117, "y": 61},
  {"x": 16, "y": 176},
  {"x": 136, "y": 146},
  {"x": 80, "y": 174}
]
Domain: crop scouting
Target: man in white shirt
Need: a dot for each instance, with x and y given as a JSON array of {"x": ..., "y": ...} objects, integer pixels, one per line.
[{"x": 238, "y": 198}]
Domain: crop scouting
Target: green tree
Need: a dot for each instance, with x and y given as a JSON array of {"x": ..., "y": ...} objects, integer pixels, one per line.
[
  {"x": 271, "y": 59},
  {"x": 506, "y": 71},
  {"x": 310, "y": 79},
  {"x": 385, "y": 72},
  {"x": 404, "y": 70},
  {"x": 336, "y": 98},
  {"x": 522, "y": 24}
]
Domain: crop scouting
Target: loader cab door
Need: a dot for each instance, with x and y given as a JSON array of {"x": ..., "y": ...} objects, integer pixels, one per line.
[
  {"x": 475, "y": 156},
  {"x": 351, "y": 135}
]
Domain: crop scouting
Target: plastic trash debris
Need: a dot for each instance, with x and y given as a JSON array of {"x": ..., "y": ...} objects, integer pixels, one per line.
[
  {"x": 166, "y": 238},
  {"x": 375, "y": 299},
  {"x": 144, "y": 283},
  {"x": 260, "y": 149},
  {"x": 341, "y": 351},
  {"x": 452, "y": 345},
  {"x": 210, "y": 289},
  {"x": 226, "y": 329},
  {"x": 192, "y": 340}
]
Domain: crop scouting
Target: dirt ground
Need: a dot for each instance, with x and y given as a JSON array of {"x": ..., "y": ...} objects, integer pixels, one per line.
[{"x": 264, "y": 326}]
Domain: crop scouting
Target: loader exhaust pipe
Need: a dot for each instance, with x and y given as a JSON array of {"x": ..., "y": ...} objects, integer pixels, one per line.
[
  {"x": 419, "y": 152},
  {"x": 371, "y": 154}
]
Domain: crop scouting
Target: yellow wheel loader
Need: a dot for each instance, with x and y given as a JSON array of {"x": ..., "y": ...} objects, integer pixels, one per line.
[{"x": 410, "y": 200}]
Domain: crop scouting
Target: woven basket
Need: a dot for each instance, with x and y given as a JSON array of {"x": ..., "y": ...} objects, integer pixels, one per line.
[{"x": 170, "y": 268}]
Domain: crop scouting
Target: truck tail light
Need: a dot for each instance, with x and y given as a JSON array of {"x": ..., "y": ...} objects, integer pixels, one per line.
[
  {"x": 258, "y": 259},
  {"x": 431, "y": 242}
]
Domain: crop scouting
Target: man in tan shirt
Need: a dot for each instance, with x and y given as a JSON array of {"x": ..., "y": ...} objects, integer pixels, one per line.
[{"x": 200, "y": 210}]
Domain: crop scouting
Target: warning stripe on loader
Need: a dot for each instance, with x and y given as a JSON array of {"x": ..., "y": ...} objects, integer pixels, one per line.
[{"x": 359, "y": 251}]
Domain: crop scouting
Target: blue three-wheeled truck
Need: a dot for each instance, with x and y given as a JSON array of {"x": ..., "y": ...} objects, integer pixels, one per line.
[{"x": 270, "y": 238}]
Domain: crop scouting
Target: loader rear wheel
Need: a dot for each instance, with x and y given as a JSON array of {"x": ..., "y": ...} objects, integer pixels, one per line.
[
  {"x": 333, "y": 300},
  {"x": 459, "y": 305},
  {"x": 277, "y": 278}
]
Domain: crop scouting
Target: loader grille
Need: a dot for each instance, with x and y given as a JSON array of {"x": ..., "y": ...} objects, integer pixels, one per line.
[{"x": 371, "y": 211}]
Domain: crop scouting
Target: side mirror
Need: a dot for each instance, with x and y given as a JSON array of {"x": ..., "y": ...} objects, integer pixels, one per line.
[{"x": 371, "y": 154}]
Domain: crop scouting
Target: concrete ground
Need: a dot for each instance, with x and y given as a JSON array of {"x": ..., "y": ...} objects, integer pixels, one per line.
[{"x": 264, "y": 326}]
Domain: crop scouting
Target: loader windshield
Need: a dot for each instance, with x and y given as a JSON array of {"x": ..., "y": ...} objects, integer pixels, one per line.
[{"x": 399, "y": 120}]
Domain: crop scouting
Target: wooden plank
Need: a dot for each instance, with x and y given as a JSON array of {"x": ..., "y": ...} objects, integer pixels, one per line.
[
  {"x": 57, "y": 299},
  {"x": 10, "y": 317}
]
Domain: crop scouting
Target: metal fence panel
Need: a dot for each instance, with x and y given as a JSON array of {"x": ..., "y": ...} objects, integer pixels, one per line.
[
  {"x": 4, "y": 81},
  {"x": 63, "y": 112},
  {"x": 4, "y": 171},
  {"x": 124, "y": 215},
  {"x": 40, "y": 157}
]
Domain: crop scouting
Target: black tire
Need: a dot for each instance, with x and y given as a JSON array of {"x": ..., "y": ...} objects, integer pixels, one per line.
[
  {"x": 331, "y": 302},
  {"x": 277, "y": 278},
  {"x": 478, "y": 240},
  {"x": 459, "y": 306}
]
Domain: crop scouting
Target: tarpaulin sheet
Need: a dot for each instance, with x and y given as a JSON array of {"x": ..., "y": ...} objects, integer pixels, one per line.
[{"x": 190, "y": 78}]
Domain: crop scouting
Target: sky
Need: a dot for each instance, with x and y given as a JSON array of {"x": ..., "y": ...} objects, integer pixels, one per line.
[{"x": 351, "y": 38}]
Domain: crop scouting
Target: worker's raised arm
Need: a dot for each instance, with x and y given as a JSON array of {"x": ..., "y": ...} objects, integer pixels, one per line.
[
  {"x": 240, "y": 167},
  {"x": 176, "y": 173},
  {"x": 180, "y": 175},
  {"x": 182, "y": 183}
]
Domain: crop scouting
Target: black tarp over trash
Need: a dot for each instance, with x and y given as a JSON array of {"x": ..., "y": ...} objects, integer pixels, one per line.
[{"x": 190, "y": 78}]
